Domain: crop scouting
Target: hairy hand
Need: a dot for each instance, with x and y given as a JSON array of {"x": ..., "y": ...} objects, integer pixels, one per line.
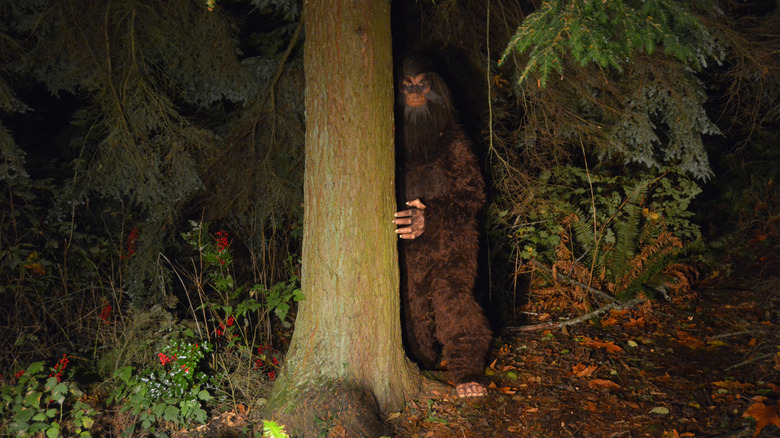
[{"x": 412, "y": 220}]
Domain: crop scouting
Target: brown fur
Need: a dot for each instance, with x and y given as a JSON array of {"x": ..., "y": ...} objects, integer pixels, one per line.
[{"x": 440, "y": 266}]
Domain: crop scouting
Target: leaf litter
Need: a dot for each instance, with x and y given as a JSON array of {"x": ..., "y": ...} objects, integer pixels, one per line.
[{"x": 707, "y": 367}]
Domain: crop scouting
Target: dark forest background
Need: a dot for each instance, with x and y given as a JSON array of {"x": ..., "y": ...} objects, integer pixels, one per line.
[{"x": 151, "y": 164}]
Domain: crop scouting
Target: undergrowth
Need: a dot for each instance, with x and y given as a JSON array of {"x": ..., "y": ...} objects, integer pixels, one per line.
[{"x": 608, "y": 236}]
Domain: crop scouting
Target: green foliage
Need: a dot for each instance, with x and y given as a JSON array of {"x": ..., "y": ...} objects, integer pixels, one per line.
[
  {"x": 234, "y": 316},
  {"x": 148, "y": 100},
  {"x": 273, "y": 430},
  {"x": 608, "y": 33},
  {"x": 38, "y": 404},
  {"x": 237, "y": 301},
  {"x": 661, "y": 126},
  {"x": 624, "y": 230},
  {"x": 175, "y": 390}
]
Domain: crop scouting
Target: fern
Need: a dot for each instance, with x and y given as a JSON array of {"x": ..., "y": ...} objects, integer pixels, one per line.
[
  {"x": 627, "y": 230},
  {"x": 624, "y": 243},
  {"x": 273, "y": 430}
]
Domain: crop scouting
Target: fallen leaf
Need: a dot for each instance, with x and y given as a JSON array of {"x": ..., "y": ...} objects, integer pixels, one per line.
[
  {"x": 631, "y": 404},
  {"x": 763, "y": 415},
  {"x": 660, "y": 410},
  {"x": 733, "y": 385},
  {"x": 582, "y": 370},
  {"x": 603, "y": 384},
  {"x": 508, "y": 390},
  {"x": 689, "y": 340},
  {"x": 609, "y": 321},
  {"x": 716, "y": 343},
  {"x": 639, "y": 322},
  {"x": 595, "y": 343}
]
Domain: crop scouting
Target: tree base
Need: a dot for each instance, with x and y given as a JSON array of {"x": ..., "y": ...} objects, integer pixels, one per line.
[{"x": 334, "y": 409}]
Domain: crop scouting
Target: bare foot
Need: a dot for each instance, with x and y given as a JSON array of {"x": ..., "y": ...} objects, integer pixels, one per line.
[{"x": 470, "y": 389}]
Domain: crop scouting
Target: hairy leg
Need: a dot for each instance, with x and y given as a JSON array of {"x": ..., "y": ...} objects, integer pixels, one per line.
[
  {"x": 419, "y": 319},
  {"x": 462, "y": 329}
]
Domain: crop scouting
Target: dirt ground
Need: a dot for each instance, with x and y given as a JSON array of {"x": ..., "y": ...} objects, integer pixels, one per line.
[{"x": 707, "y": 367}]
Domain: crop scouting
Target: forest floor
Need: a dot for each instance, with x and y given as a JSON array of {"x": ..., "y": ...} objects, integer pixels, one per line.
[{"x": 707, "y": 367}]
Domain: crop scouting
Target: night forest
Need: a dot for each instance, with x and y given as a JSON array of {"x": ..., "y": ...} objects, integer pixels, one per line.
[{"x": 152, "y": 233}]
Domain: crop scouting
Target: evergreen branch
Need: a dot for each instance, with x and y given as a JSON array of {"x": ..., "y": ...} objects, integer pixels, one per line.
[{"x": 608, "y": 33}]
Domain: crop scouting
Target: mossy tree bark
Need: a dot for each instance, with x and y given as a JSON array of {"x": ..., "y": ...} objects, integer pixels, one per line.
[{"x": 346, "y": 349}]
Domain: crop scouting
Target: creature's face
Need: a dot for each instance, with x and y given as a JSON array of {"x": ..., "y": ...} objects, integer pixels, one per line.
[{"x": 415, "y": 88}]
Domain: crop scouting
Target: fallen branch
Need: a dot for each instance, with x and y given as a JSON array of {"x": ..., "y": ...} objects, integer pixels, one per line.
[
  {"x": 750, "y": 361},
  {"x": 577, "y": 320}
]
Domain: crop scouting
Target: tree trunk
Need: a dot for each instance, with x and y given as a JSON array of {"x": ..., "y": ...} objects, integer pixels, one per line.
[{"x": 346, "y": 358}]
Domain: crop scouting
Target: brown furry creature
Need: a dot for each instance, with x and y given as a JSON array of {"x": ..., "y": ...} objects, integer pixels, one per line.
[{"x": 442, "y": 184}]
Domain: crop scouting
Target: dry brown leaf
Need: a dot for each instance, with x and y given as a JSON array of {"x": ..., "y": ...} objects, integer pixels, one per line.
[
  {"x": 763, "y": 414},
  {"x": 582, "y": 370},
  {"x": 689, "y": 340},
  {"x": 595, "y": 343},
  {"x": 734, "y": 385},
  {"x": 603, "y": 384},
  {"x": 609, "y": 321},
  {"x": 507, "y": 390}
]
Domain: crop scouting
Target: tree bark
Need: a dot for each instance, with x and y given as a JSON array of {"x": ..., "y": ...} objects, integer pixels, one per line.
[{"x": 346, "y": 357}]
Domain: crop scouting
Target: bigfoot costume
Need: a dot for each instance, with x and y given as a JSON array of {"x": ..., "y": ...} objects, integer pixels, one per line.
[{"x": 441, "y": 184}]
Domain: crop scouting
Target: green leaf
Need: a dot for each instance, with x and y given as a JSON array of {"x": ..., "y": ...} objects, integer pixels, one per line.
[
  {"x": 87, "y": 422},
  {"x": 171, "y": 413},
  {"x": 53, "y": 431},
  {"x": 204, "y": 395},
  {"x": 124, "y": 373},
  {"x": 33, "y": 399},
  {"x": 159, "y": 408},
  {"x": 34, "y": 368}
]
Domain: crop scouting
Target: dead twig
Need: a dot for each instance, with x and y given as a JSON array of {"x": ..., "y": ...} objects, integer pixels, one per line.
[
  {"x": 577, "y": 320},
  {"x": 560, "y": 277}
]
